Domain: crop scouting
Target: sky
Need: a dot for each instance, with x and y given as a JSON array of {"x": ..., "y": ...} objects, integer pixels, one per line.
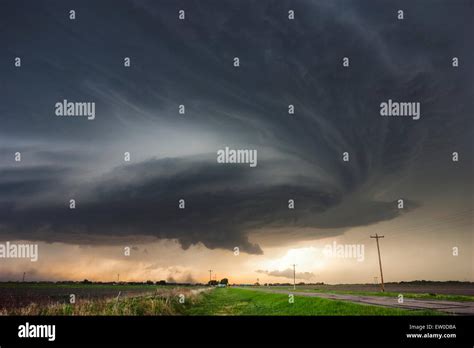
[{"x": 134, "y": 204}]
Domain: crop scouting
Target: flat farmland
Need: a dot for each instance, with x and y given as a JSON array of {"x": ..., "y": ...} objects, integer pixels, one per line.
[
  {"x": 19, "y": 295},
  {"x": 442, "y": 290},
  {"x": 142, "y": 299}
]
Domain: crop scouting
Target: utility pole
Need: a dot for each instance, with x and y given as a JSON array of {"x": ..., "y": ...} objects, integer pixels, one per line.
[
  {"x": 118, "y": 278},
  {"x": 24, "y": 273},
  {"x": 210, "y": 275},
  {"x": 294, "y": 277},
  {"x": 380, "y": 261}
]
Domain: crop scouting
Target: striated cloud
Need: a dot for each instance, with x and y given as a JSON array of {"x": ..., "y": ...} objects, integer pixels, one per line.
[{"x": 174, "y": 156}]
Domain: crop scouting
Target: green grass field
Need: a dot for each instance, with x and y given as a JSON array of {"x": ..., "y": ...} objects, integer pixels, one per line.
[
  {"x": 231, "y": 301},
  {"x": 423, "y": 296}
]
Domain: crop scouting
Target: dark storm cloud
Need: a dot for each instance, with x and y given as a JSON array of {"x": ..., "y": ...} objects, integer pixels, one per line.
[
  {"x": 26, "y": 181},
  {"x": 190, "y": 63},
  {"x": 143, "y": 199}
]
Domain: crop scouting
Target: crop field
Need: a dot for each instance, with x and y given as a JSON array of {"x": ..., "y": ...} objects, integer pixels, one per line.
[
  {"x": 439, "y": 288},
  {"x": 89, "y": 299},
  {"x": 460, "y": 294}
]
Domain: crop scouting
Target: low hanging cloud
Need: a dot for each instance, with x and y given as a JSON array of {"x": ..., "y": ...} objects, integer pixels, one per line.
[
  {"x": 288, "y": 273},
  {"x": 220, "y": 207}
]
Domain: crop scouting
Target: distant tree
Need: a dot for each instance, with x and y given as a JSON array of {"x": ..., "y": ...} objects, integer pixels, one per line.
[
  {"x": 85, "y": 281},
  {"x": 162, "y": 282},
  {"x": 212, "y": 282},
  {"x": 149, "y": 282},
  {"x": 225, "y": 281}
]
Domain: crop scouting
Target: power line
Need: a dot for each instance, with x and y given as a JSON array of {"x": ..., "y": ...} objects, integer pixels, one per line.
[{"x": 380, "y": 260}]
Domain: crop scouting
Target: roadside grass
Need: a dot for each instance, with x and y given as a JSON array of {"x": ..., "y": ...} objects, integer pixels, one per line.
[
  {"x": 231, "y": 301},
  {"x": 421, "y": 296}
]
